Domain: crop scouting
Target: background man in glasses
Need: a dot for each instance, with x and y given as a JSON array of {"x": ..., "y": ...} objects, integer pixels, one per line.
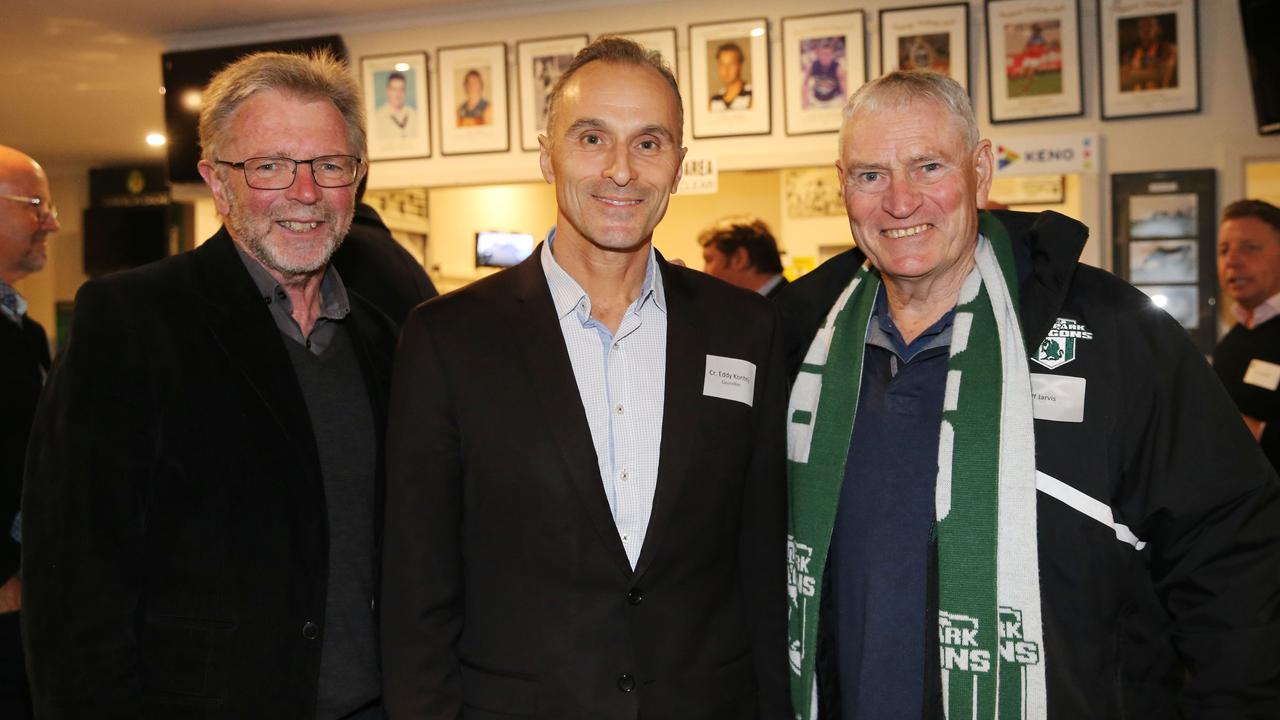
[
  {"x": 200, "y": 525},
  {"x": 27, "y": 216}
]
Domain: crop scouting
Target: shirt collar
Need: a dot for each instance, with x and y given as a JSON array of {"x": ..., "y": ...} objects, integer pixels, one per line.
[
  {"x": 567, "y": 295},
  {"x": 1269, "y": 308},
  {"x": 772, "y": 283},
  {"x": 335, "y": 304},
  {"x": 19, "y": 308},
  {"x": 882, "y": 332}
]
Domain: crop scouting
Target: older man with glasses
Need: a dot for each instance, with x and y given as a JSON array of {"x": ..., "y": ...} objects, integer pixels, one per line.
[
  {"x": 200, "y": 525},
  {"x": 26, "y": 220}
]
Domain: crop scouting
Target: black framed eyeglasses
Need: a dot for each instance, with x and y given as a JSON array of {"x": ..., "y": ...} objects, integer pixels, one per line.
[
  {"x": 44, "y": 210},
  {"x": 278, "y": 173}
]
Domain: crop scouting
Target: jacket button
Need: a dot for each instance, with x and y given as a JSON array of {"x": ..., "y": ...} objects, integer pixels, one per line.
[
  {"x": 634, "y": 596},
  {"x": 626, "y": 683},
  {"x": 310, "y": 630}
]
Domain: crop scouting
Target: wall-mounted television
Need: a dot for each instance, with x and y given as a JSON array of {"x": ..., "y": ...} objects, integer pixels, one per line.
[
  {"x": 502, "y": 249},
  {"x": 1260, "y": 20},
  {"x": 186, "y": 73}
]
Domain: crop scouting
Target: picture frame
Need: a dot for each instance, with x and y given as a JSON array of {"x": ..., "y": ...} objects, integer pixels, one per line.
[
  {"x": 730, "y": 97},
  {"x": 823, "y": 62},
  {"x": 933, "y": 37},
  {"x": 540, "y": 63},
  {"x": 398, "y": 105},
  {"x": 474, "y": 113},
  {"x": 660, "y": 40},
  {"x": 1164, "y": 230},
  {"x": 1149, "y": 55},
  {"x": 1033, "y": 60}
]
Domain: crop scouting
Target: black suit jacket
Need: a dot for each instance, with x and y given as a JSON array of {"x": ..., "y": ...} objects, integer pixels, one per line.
[
  {"x": 24, "y": 360},
  {"x": 374, "y": 265},
  {"x": 175, "y": 542},
  {"x": 507, "y": 592}
]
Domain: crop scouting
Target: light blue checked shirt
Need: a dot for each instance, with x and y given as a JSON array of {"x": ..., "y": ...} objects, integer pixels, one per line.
[
  {"x": 12, "y": 305},
  {"x": 621, "y": 378}
]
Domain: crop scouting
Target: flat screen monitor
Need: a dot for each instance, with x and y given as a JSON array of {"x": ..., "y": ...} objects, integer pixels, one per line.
[
  {"x": 502, "y": 249},
  {"x": 186, "y": 73},
  {"x": 1261, "y": 19}
]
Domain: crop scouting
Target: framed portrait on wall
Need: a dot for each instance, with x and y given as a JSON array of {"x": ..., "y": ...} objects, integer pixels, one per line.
[
  {"x": 930, "y": 37},
  {"x": 541, "y": 63},
  {"x": 1033, "y": 56},
  {"x": 729, "y": 78},
  {"x": 1164, "y": 230},
  {"x": 662, "y": 41},
  {"x": 397, "y": 105},
  {"x": 823, "y": 63},
  {"x": 1150, "y": 58},
  {"x": 474, "y": 116}
]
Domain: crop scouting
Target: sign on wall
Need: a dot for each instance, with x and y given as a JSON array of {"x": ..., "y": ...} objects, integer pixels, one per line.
[{"x": 1046, "y": 154}]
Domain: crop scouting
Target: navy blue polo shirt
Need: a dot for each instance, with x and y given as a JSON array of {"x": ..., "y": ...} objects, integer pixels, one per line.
[{"x": 878, "y": 565}]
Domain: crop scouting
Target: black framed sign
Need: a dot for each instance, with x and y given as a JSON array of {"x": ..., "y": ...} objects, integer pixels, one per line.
[{"x": 1164, "y": 226}]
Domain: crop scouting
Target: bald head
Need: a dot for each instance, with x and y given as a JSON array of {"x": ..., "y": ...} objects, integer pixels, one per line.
[{"x": 25, "y": 224}]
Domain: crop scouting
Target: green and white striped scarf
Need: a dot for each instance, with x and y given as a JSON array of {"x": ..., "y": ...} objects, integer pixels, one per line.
[{"x": 990, "y": 632}]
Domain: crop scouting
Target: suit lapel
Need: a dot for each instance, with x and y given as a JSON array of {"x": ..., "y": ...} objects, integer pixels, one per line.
[
  {"x": 686, "y": 361},
  {"x": 245, "y": 331},
  {"x": 541, "y": 345}
]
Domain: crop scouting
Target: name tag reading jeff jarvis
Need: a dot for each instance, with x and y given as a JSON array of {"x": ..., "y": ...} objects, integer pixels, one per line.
[
  {"x": 1263, "y": 374},
  {"x": 1057, "y": 397},
  {"x": 730, "y": 378}
]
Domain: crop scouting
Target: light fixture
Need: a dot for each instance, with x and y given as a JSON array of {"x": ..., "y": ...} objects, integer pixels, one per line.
[
  {"x": 192, "y": 99},
  {"x": 155, "y": 139}
]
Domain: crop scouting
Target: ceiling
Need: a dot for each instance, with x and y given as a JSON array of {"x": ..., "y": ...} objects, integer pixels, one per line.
[{"x": 80, "y": 79}]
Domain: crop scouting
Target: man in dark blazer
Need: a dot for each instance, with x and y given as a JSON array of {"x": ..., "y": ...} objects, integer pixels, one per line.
[
  {"x": 585, "y": 495},
  {"x": 27, "y": 216},
  {"x": 200, "y": 533}
]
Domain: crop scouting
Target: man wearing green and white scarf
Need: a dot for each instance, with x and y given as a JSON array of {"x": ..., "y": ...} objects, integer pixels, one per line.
[{"x": 1017, "y": 490}]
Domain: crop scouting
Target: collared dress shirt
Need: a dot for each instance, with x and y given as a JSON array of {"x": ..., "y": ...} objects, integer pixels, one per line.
[
  {"x": 12, "y": 305},
  {"x": 1268, "y": 309},
  {"x": 621, "y": 378},
  {"x": 334, "y": 305}
]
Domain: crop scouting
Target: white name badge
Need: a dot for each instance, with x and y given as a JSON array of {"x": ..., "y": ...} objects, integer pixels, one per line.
[
  {"x": 730, "y": 378},
  {"x": 1263, "y": 374},
  {"x": 1057, "y": 397}
]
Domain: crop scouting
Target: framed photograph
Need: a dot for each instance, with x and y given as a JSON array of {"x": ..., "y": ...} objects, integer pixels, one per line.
[
  {"x": 1150, "y": 58},
  {"x": 662, "y": 40},
  {"x": 1165, "y": 232},
  {"x": 931, "y": 37},
  {"x": 1033, "y": 55},
  {"x": 1028, "y": 189},
  {"x": 823, "y": 63},
  {"x": 473, "y": 99},
  {"x": 541, "y": 63},
  {"x": 729, "y": 92},
  {"x": 397, "y": 105}
]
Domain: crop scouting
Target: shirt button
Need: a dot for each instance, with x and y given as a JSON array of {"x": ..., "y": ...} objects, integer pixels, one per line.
[
  {"x": 617, "y": 346},
  {"x": 625, "y": 537},
  {"x": 625, "y": 476},
  {"x": 626, "y": 682},
  {"x": 310, "y": 630},
  {"x": 618, "y": 408}
]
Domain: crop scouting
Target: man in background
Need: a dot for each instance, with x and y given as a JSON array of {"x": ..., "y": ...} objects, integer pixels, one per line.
[
  {"x": 27, "y": 216},
  {"x": 1247, "y": 359},
  {"x": 201, "y": 505},
  {"x": 741, "y": 251}
]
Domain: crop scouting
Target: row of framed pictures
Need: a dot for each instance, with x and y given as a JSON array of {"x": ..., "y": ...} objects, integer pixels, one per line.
[{"x": 1148, "y": 54}]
